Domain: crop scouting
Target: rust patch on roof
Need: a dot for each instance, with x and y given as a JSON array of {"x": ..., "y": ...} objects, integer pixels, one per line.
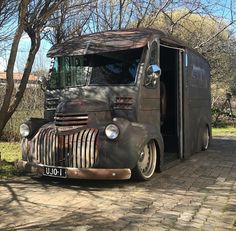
[
  {"x": 111, "y": 41},
  {"x": 102, "y": 42}
]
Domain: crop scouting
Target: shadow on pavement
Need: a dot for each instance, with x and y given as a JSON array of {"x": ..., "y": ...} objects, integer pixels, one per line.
[
  {"x": 205, "y": 164},
  {"x": 137, "y": 205}
]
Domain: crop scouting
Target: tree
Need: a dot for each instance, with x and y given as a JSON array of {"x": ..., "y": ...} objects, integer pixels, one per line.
[
  {"x": 68, "y": 20},
  {"x": 214, "y": 40},
  {"x": 32, "y": 18},
  {"x": 88, "y": 16},
  {"x": 8, "y": 9},
  {"x": 196, "y": 21},
  {"x": 207, "y": 27},
  {"x": 111, "y": 15}
]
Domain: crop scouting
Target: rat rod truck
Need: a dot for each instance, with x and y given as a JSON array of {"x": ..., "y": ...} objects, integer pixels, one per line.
[{"x": 119, "y": 103}]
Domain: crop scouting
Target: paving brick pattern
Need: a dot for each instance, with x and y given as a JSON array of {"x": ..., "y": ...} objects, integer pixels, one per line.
[{"x": 196, "y": 194}]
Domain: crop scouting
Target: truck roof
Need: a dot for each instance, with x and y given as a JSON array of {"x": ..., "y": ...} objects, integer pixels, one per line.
[{"x": 111, "y": 41}]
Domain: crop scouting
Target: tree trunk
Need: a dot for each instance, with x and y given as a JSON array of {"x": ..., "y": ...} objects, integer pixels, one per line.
[
  {"x": 35, "y": 44},
  {"x": 31, "y": 21},
  {"x": 4, "y": 115}
]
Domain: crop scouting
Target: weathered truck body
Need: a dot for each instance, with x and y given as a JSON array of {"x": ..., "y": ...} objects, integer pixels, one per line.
[{"x": 119, "y": 103}]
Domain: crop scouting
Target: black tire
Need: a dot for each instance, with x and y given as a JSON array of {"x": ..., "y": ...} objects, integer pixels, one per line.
[
  {"x": 205, "y": 138},
  {"x": 146, "y": 165}
]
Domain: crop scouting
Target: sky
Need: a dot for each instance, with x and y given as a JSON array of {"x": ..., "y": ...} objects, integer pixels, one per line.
[{"x": 41, "y": 60}]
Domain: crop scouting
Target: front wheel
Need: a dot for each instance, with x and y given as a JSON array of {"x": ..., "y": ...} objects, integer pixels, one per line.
[{"x": 146, "y": 165}]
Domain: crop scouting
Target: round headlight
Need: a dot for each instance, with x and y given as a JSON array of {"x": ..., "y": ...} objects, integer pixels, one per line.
[
  {"x": 24, "y": 130},
  {"x": 112, "y": 131}
]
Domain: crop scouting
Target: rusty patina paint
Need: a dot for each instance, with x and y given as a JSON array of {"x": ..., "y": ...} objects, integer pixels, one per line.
[
  {"x": 110, "y": 41},
  {"x": 84, "y": 173},
  {"x": 72, "y": 134}
]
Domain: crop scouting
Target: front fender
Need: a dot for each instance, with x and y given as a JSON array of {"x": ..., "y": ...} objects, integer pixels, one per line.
[
  {"x": 153, "y": 133},
  {"x": 124, "y": 151}
]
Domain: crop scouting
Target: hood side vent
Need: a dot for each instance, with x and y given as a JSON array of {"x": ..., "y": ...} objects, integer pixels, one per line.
[{"x": 51, "y": 104}]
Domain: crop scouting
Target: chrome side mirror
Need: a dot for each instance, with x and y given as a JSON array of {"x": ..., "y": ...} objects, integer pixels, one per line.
[
  {"x": 153, "y": 72},
  {"x": 42, "y": 81}
]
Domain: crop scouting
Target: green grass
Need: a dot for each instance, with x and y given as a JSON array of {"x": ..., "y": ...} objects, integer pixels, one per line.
[
  {"x": 228, "y": 131},
  {"x": 9, "y": 153}
]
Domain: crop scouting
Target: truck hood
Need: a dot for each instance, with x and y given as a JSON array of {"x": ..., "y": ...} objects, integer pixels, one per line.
[{"x": 82, "y": 106}]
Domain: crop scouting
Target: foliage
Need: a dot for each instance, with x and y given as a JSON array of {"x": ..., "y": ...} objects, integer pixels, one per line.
[
  {"x": 30, "y": 106},
  {"x": 88, "y": 16},
  {"x": 222, "y": 115},
  {"x": 212, "y": 38},
  {"x": 197, "y": 22},
  {"x": 8, "y": 9},
  {"x": 32, "y": 19},
  {"x": 68, "y": 20},
  {"x": 10, "y": 152}
]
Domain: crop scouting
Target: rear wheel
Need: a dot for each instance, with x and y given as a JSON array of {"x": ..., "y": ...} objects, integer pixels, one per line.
[
  {"x": 146, "y": 165},
  {"x": 205, "y": 138}
]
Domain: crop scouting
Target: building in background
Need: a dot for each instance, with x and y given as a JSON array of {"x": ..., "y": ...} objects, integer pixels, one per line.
[{"x": 17, "y": 78}]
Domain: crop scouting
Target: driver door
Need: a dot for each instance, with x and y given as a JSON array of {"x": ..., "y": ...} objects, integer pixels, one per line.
[{"x": 150, "y": 88}]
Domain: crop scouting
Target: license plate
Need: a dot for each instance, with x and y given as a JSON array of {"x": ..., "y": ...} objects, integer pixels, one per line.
[{"x": 54, "y": 171}]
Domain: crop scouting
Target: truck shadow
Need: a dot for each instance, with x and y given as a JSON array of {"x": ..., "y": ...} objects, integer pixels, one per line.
[
  {"x": 196, "y": 173},
  {"x": 96, "y": 185}
]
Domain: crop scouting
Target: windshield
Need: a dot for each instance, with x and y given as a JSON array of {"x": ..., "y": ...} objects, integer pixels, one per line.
[{"x": 112, "y": 68}]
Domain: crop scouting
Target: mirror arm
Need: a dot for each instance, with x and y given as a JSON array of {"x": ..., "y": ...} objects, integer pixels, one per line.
[
  {"x": 43, "y": 82},
  {"x": 43, "y": 88}
]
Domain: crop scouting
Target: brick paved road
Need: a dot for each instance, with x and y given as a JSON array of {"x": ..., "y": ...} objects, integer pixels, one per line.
[{"x": 197, "y": 194}]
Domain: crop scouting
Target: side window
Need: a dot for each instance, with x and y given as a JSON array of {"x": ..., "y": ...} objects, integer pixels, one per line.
[
  {"x": 152, "y": 71},
  {"x": 67, "y": 70},
  {"x": 80, "y": 70}
]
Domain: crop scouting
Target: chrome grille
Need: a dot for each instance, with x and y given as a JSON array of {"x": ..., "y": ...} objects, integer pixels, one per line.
[
  {"x": 71, "y": 119},
  {"x": 77, "y": 150}
]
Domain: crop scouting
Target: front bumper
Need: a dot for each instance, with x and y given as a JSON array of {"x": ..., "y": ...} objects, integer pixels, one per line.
[{"x": 76, "y": 173}]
